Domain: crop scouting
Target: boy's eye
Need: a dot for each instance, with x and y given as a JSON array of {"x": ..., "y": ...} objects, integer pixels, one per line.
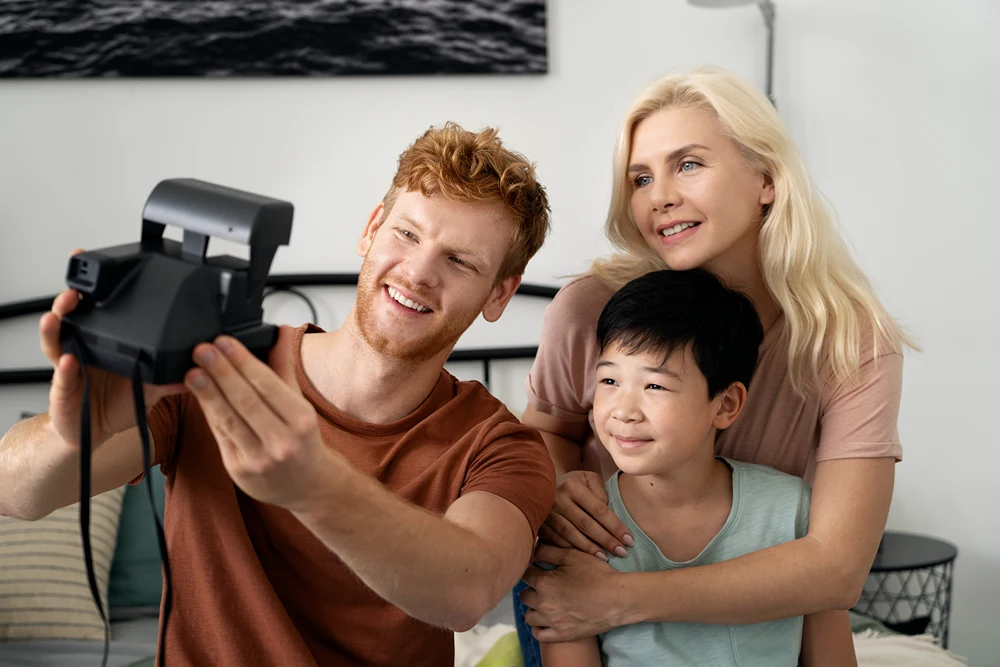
[{"x": 655, "y": 387}]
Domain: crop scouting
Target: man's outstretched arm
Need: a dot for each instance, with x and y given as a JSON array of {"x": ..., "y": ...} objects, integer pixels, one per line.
[{"x": 446, "y": 570}]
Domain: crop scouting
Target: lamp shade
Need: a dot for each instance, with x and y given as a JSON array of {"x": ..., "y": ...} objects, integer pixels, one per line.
[{"x": 721, "y": 4}]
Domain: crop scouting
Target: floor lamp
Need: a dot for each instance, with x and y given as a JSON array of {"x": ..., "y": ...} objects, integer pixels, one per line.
[{"x": 767, "y": 11}]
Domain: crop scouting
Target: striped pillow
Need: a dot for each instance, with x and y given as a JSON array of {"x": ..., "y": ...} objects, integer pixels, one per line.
[{"x": 43, "y": 580}]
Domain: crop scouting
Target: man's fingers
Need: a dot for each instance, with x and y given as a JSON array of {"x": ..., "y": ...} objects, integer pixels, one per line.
[
  {"x": 281, "y": 394},
  {"x": 282, "y": 358},
  {"x": 244, "y": 403},
  {"x": 237, "y": 442},
  {"x": 65, "y": 379},
  {"x": 50, "y": 323},
  {"x": 65, "y": 302},
  {"x": 48, "y": 336}
]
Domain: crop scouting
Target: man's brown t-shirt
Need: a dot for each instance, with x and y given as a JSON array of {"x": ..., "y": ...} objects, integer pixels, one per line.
[{"x": 253, "y": 586}]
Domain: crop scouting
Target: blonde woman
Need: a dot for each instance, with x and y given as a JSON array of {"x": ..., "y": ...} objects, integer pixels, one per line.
[{"x": 706, "y": 176}]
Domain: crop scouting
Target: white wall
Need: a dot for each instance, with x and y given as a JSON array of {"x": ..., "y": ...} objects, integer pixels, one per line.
[{"x": 893, "y": 103}]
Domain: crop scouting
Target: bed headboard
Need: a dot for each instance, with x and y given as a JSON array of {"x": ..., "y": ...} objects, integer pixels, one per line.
[{"x": 289, "y": 283}]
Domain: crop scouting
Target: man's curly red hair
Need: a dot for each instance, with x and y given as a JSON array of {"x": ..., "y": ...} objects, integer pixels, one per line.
[{"x": 467, "y": 166}]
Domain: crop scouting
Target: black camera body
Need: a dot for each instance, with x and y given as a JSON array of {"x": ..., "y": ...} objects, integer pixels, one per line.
[{"x": 152, "y": 302}]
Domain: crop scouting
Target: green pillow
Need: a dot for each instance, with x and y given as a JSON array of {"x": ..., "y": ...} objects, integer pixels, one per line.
[{"x": 136, "y": 572}]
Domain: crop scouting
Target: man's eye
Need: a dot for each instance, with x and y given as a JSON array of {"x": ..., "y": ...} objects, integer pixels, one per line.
[{"x": 460, "y": 261}]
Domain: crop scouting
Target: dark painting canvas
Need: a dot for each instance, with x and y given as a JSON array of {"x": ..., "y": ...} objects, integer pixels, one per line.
[{"x": 216, "y": 38}]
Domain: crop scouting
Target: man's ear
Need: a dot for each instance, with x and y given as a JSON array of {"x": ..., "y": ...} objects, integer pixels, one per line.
[
  {"x": 500, "y": 297},
  {"x": 731, "y": 402},
  {"x": 374, "y": 222}
]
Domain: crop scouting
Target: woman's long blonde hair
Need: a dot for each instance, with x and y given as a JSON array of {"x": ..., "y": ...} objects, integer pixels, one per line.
[{"x": 824, "y": 295}]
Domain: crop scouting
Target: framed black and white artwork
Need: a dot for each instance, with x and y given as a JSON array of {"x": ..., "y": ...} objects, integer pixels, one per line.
[{"x": 267, "y": 38}]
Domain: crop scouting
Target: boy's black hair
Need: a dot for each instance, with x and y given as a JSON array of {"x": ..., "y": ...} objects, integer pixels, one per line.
[{"x": 665, "y": 310}]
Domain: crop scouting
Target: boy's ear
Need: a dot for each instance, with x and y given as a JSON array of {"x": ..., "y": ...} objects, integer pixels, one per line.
[{"x": 731, "y": 401}]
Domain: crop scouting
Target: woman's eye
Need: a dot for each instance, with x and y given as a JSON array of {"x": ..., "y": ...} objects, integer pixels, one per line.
[
  {"x": 606, "y": 381},
  {"x": 689, "y": 165},
  {"x": 642, "y": 181}
]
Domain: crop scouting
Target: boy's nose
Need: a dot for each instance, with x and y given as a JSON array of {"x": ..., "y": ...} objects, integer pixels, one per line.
[{"x": 626, "y": 409}]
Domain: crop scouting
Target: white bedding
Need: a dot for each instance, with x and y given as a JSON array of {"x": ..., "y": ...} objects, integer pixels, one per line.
[{"x": 132, "y": 640}]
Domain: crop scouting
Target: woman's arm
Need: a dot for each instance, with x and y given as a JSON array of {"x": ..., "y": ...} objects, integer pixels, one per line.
[
  {"x": 827, "y": 640},
  {"x": 824, "y": 570},
  {"x": 563, "y": 440},
  {"x": 581, "y": 653},
  {"x": 580, "y": 498}
]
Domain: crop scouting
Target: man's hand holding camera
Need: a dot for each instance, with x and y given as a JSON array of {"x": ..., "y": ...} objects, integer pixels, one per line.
[{"x": 267, "y": 431}]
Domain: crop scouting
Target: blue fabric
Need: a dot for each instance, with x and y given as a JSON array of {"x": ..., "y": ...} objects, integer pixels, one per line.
[
  {"x": 530, "y": 650},
  {"x": 136, "y": 579}
]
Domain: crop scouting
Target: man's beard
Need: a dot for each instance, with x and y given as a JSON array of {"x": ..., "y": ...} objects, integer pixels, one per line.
[{"x": 415, "y": 350}]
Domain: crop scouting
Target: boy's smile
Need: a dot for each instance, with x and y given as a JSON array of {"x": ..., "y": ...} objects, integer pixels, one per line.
[{"x": 654, "y": 414}]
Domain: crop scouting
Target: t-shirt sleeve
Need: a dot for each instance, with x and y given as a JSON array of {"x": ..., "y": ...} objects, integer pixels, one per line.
[
  {"x": 802, "y": 520},
  {"x": 860, "y": 417},
  {"x": 164, "y": 427},
  {"x": 561, "y": 381},
  {"x": 512, "y": 463}
]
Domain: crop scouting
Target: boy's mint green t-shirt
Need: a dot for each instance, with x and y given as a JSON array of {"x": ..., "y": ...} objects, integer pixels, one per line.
[{"x": 769, "y": 507}]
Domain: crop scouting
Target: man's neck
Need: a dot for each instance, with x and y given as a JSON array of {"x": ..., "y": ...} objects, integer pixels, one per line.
[{"x": 362, "y": 383}]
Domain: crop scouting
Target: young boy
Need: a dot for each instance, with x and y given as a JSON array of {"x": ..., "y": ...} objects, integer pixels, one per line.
[{"x": 668, "y": 379}]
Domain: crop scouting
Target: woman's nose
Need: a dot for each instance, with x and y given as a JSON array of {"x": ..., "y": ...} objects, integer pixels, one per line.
[{"x": 665, "y": 196}]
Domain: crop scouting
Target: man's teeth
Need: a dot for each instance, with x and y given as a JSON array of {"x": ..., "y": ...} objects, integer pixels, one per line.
[
  {"x": 407, "y": 302},
  {"x": 679, "y": 227}
]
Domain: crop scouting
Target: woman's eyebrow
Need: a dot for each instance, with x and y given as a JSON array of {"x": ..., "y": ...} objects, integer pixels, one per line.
[{"x": 670, "y": 158}]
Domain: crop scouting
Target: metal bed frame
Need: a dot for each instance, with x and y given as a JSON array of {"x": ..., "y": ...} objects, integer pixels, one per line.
[{"x": 286, "y": 283}]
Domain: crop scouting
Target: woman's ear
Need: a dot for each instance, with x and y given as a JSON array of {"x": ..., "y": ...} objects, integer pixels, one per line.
[
  {"x": 766, "y": 191},
  {"x": 731, "y": 402}
]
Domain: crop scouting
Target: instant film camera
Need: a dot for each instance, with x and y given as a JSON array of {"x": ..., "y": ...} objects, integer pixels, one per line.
[{"x": 151, "y": 302}]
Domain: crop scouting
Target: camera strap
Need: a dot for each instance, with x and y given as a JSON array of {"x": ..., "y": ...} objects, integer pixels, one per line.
[{"x": 85, "y": 490}]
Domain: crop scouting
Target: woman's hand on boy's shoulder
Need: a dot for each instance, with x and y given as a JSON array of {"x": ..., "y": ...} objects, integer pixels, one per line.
[{"x": 581, "y": 519}]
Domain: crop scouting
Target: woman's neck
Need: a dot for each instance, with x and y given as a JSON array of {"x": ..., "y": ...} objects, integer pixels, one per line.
[{"x": 739, "y": 267}]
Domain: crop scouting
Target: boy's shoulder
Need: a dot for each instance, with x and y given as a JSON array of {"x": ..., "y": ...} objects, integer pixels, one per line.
[
  {"x": 771, "y": 502},
  {"x": 762, "y": 488},
  {"x": 755, "y": 473}
]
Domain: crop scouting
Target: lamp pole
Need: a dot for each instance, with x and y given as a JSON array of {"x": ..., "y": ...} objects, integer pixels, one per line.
[{"x": 767, "y": 11}]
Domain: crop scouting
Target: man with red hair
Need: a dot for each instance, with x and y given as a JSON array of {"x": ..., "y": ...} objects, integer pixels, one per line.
[{"x": 350, "y": 502}]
